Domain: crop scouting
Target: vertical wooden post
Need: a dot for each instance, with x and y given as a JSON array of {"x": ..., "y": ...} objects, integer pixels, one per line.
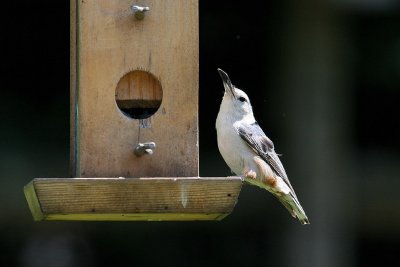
[{"x": 107, "y": 44}]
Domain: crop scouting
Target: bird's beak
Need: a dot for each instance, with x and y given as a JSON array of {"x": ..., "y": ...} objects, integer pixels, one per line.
[{"x": 227, "y": 83}]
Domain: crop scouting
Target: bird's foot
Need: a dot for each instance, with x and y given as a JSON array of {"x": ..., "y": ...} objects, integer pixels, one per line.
[
  {"x": 271, "y": 181},
  {"x": 250, "y": 175}
]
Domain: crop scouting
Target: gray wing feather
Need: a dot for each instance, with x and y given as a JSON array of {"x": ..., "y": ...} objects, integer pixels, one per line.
[{"x": 254, "y": 136}]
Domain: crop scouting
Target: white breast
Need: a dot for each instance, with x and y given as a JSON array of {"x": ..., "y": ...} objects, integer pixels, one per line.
[{"x": 236, "y": 153}]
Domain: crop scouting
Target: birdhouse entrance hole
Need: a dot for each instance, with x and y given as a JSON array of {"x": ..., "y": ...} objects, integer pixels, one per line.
[{"x": 138, "y": 94}]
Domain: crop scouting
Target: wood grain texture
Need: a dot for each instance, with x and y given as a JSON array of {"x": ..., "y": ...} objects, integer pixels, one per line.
[
  {"x": 73, "y": 81},
  {"x": 138, "y": 89},
  {"x": 189, "y": 198},
  {"x": 109, "y": 43}
]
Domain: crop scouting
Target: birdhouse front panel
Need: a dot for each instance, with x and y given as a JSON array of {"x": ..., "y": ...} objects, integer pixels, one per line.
[{"x": 134, "y": 79}]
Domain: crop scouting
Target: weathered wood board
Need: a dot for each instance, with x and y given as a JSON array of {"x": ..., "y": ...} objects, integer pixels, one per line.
[
  {"x": 106, "y": 43},
  {"x": 132, "y": 199}
]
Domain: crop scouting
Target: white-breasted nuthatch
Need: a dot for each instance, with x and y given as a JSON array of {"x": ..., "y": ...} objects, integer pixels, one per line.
[{"x": 249, "y": 152}]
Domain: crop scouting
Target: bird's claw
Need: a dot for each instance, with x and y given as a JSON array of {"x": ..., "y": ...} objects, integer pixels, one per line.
[{"x": 250, "y": 175}]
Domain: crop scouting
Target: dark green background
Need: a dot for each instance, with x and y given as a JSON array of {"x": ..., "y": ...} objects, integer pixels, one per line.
[{"x": 324, "y": 80}]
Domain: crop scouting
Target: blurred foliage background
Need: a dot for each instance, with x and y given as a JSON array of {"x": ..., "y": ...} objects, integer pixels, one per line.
[{"x": 324, "y": 80}]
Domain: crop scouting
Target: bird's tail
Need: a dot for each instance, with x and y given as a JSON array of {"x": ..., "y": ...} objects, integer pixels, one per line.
[{"x": 292, "y": 204}]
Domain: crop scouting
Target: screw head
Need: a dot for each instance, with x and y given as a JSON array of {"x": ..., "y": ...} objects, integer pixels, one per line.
[{"x": 139, "y": 11}]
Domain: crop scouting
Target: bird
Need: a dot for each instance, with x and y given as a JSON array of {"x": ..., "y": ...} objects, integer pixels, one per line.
[{"x": 248, "y": 152}]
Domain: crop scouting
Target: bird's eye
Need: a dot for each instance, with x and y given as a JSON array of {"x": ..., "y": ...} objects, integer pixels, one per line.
[{"x": 242, "y": 99}]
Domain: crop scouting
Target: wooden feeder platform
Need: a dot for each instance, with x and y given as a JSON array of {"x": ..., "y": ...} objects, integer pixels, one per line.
[
  {"x": 133, "y": 80},
  {"x": 132, "y": 199}
]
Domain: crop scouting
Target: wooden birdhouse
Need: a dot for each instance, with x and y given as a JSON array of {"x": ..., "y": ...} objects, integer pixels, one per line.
[{"x": 134, "y": 119}]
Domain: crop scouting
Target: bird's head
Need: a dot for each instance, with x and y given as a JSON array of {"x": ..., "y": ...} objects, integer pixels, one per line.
[{"x": 235, "y": 100}]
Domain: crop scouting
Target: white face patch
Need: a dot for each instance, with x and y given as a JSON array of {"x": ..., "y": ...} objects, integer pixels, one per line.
[{"x": 242, "y": 102}]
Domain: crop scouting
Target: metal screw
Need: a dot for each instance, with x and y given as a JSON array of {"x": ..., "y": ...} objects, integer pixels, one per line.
[
  {"x": 139, "y": 11},
  {"x": 144, "y": 148}
]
